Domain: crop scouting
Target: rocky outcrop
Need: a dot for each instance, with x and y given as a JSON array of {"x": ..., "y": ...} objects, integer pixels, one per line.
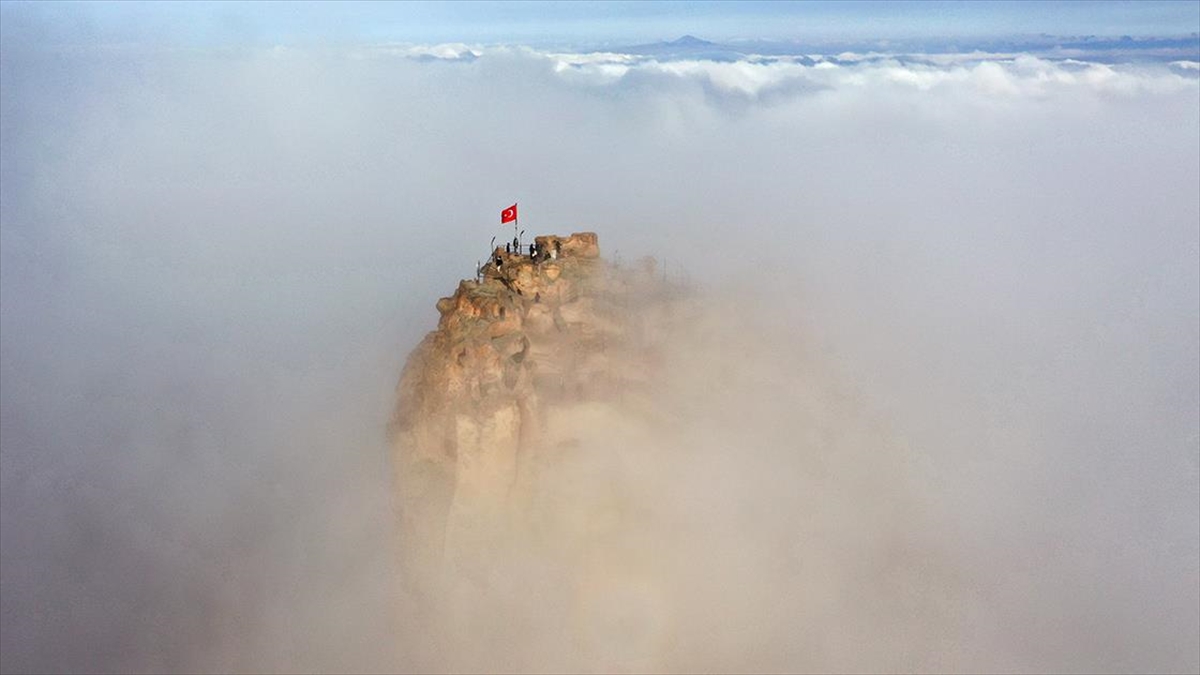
[{"x": 531, "y": 333}]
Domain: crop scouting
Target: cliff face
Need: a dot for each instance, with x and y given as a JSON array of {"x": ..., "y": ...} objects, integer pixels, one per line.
[
  {"x": 480, "y": 399},
  {"x": 598, "y": 472}
]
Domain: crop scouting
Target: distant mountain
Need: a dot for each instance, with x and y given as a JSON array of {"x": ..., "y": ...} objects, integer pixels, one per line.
[
  {"x": 690, "y": 41},
  {"x": 688, "y": 47}
]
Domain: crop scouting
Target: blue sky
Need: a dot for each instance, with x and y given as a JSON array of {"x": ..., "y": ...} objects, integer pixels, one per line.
[{"x": 204, "y": 23}]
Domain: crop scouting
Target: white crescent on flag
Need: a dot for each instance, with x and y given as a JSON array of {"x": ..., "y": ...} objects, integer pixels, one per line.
[{"x": 508, "y": 215}]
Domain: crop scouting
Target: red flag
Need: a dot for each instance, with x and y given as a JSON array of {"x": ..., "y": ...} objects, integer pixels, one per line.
[{"x": 508, "y": 215}]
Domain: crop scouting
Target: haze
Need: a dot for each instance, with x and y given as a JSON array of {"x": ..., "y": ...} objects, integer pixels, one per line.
[{"x": 943, "y": 396}]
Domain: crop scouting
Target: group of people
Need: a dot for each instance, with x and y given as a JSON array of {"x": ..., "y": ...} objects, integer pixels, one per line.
[{"x": 536, "y": 252}]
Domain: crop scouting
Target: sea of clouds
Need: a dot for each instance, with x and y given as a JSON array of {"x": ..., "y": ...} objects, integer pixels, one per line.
[{"x": 213, "y": 263}]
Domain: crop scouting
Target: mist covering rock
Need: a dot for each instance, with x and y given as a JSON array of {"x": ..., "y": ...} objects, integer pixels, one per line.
[
  {"x": 600, "y": 468},
  {"x": 525, "y": 358}
]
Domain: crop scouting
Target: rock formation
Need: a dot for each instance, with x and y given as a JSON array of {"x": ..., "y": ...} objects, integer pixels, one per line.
[
  {"x": 477, "y": 400},
  {"x": 599, "y": 472}
]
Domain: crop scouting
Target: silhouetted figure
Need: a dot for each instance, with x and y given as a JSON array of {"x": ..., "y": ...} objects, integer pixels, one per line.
[
  {"x": 507, "y": 249},
  {"x": 516, "y": 245},
  {"x": 499, "y": 261}
]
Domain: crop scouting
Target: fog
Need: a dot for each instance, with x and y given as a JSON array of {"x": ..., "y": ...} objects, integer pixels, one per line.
[{"x": 940, "y": 408}]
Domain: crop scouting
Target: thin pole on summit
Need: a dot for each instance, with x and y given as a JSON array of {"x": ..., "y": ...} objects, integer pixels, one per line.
[{"x": 511, "y": 214}]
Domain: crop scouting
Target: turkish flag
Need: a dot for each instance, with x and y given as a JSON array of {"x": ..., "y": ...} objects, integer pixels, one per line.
[{"x": 508, "y": 215}]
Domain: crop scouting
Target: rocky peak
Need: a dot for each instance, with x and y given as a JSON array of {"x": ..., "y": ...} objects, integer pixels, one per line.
[{"x": 531, "y": 334}]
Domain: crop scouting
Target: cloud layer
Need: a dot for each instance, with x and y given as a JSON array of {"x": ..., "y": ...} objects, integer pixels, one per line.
[{"x": 214, "y": 263}]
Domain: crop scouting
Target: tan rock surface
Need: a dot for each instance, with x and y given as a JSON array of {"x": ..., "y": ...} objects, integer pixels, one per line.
[
  {"x": 482, "y": 430},
  {"x": 529, "y": 333}
]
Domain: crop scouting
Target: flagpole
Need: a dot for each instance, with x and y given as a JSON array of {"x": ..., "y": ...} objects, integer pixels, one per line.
[{"x": 517, "y": 231}]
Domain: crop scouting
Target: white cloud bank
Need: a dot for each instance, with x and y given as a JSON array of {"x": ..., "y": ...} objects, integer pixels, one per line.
[
  {"x": 989, "y": 74},
  {"x": 213, "y": 265}
]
